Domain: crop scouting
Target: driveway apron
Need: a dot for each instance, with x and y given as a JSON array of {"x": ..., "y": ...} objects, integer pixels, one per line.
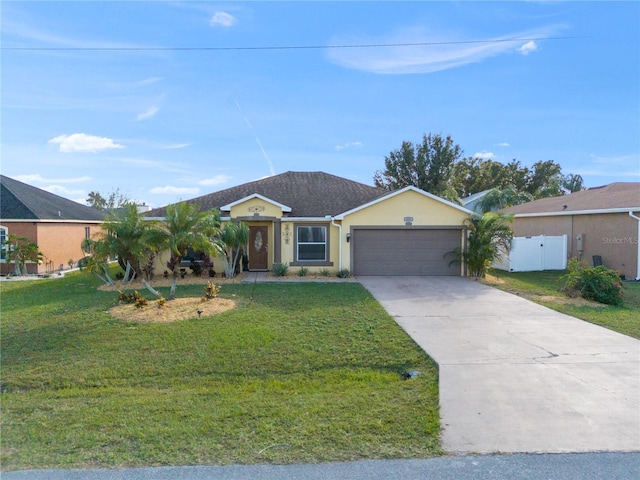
[{"x": 516, "y": 376}]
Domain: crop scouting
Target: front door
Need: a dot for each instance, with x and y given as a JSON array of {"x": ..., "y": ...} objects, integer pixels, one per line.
[{"x": 258, "y": 248}]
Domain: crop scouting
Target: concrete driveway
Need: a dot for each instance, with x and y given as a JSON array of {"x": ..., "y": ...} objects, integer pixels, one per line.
[{"x": 516, "y": 376}]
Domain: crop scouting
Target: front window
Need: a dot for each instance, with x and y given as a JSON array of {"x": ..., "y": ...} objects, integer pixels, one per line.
[
  {"x": 3, "y": 246},
  {"x": 312, "y": 243}
]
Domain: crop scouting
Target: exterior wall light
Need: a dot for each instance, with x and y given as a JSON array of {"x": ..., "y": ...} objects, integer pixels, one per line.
[{"x": 348, "y": 237}]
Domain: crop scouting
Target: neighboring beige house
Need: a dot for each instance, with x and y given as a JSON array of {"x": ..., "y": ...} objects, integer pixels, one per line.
[
  {"x": 321, "y": 221},
  {"x": 57, "y": 225},
  {"x": 601, "y": 222}
]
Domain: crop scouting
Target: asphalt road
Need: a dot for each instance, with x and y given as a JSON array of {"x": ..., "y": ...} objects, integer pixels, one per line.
[{"x": 578, "y": 466}]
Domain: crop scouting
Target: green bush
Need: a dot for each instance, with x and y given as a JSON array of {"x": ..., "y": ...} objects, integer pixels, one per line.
[
  {"x": 325, "y": 272},
  {"x": 280, "y": 270},
  {"x": 344, "y": 273},
  {"x": 303, "y": 271},
  {"x": 593, "y": 283}
]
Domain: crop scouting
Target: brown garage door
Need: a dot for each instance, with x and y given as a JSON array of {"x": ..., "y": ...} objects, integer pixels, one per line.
[{"x": 404, "y": 251}]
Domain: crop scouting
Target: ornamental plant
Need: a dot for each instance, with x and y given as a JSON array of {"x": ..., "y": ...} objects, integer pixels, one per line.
[{"x": 600, "y": 283}]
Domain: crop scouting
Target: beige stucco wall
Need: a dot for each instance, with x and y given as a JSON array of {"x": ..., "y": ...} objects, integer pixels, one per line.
[
  {"x": 426, "y": 212},
  {"x": 59, "y": 242},
  {"x": 613, "y": 236},
  {"x": 254, "y": 206}
]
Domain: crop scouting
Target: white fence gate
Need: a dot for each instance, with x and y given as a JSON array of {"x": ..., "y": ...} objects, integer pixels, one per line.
[{"x": 530, "y": 254}]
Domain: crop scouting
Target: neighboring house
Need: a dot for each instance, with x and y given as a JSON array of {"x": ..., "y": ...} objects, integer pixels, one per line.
[
  {"x": 472, "y": 202},
  {"x": 57, "y": 225},
  {"x": 320, "y": 221},
  {"x": 601, "y": 223}
]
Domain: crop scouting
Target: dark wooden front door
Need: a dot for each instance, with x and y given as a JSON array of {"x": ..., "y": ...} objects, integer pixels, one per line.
[{"x": 258, "y": 248}]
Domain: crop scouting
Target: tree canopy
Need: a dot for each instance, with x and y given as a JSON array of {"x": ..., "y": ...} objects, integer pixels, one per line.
[
  {"x": 436, "y": 165},
  {"x": 114, "y": 200}
]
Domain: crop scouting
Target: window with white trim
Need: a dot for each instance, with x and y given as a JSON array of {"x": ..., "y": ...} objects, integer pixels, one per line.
[
  {"x": 311, "y": 243},
  {"x": 4, "y": 234}
]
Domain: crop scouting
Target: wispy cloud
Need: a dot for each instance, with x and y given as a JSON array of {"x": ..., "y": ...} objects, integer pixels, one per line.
[
  {"x": 175, "y": 146},
  {"x": 62, "y": 191},
  {"x": 149, "y": 113},
  {"x": 348, "y": 145},
  {"x": 174, "y": 190},
  {"x": 81, "y": 142},
  {"x": 222, "y": 19},
  {"x": 503, "y": 144},
  {"x": 216, "y": 180},
  {"x": 440, "y": 50},
  {"x": 37, "y": 178},
  {"x": 528, "y": 47},
  {"x": 484, "y": 155}
]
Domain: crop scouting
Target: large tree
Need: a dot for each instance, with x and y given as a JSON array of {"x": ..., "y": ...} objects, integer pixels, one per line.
[
  {"x": 427, "y": 165},
  {"x": 184, "y": 227}
]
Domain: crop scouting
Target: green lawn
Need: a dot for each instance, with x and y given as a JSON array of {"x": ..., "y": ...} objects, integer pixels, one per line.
[
  {"x": 542, "y": 287},
  {"x": 303, "y": 372}
]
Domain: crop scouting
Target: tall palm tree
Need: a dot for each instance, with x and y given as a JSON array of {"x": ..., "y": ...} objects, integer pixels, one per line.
[
  {"x": 186, "y": 227},
  {"x": 489, "y": 238}
]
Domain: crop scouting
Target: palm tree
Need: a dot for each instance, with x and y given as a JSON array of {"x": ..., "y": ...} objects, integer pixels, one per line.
[
  {"x": 496, "y": 198},
  {"x": 233, "y": 238},
  {"x": 490, "y": 237},
  {"x": 21, "y": 250},
  {"x": 185, "y": 227},
  {"x": 128, "y": 238}
]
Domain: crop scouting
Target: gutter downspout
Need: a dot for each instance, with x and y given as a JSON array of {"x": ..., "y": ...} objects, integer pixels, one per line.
[
  {"x": 340, "y": 242},
  {"x": 638, "y": 240}
]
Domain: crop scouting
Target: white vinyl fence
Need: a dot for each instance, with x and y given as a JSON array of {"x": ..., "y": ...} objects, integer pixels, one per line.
[{"x": 529, "y": 254}]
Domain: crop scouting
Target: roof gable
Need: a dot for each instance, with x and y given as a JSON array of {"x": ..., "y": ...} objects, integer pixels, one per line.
[
  {"x": 400, "y": 192},
  {"x": 19, "y": 201},
  {"x": 228, "y": 207},
  {"x": 620, "y": 196},
  {"x": 307, "y": 194}
]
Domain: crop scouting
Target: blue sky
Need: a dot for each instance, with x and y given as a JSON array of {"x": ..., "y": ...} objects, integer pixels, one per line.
[{"x": 171, "y": 100}]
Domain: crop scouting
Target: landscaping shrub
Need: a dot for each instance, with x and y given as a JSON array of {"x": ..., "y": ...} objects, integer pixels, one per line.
[
  {"x": 211, "y": 291},
  {"x": 344, "y": 273},
  {"x": 280, "y": 269},
  {"x": 593, "y": 283},
  {"x": 303, "y": 271}
]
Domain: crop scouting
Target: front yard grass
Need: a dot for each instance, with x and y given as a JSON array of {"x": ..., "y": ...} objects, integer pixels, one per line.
[
  {"x": 543, "y": 288},
  {"x": 308, "y": 372}
]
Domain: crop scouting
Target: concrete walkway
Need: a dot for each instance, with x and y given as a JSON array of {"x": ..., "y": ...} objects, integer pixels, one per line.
[{"x": 516, "y": 376}]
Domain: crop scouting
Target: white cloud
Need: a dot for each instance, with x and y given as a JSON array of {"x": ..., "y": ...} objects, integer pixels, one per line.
[
  {"x": 81, "y": 142},
  {"x": 484, "y": 155},
  {"x": 175, "y": 190},
  {"x": 503, "y": 144},
  {"x": 528, "y": 47},
  {"x": 349, "y": 145},
  {"x": 223, "y": 19},
  {"x": 37, "y": 178},
  {"x": 150, "y": 112},
  {"x": 216, "y": 180},
  {"x": 421, "y": 51},
  {"x": 62, "y": 191}
]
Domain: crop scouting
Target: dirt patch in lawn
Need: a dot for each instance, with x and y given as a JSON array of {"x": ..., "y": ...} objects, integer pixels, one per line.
[{"x": 172, "y": 310}]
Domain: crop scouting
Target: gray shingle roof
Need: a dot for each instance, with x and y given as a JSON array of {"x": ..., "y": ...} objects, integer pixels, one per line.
[
  {"x": 620, "y": 195},
  {"x": 309, "y": 194},
  {"x": 19, "y": 201}
]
